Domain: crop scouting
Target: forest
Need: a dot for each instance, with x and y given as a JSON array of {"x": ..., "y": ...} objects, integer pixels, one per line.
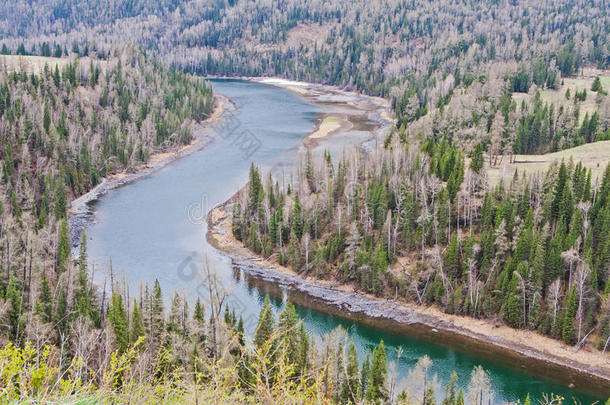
[
  {"x": 416, "y": 222},
  {"x": 472, "y": 84}
]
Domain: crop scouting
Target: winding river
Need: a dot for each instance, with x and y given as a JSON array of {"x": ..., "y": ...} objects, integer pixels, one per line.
[{"x": 155, "y": 229}]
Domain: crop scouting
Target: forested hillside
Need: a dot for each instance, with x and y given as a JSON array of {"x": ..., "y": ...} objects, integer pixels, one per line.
[
  {"x": 416, "y": 53},
  {"x": 418, "y": 224},
  {"x": 472, "y": 84},
  {"x": 62, "y": 130}
]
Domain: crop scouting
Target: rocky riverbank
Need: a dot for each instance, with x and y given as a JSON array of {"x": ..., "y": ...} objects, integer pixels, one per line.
[{"x": 587, "y": 369}]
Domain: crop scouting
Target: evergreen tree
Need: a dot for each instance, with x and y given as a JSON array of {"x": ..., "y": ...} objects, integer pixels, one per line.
[
  {"x": 137, "y": 329},
  {"x": 81, "y": 294},
  {"x": 477, "y": 159},
  {"x": 44, "y": 304},
  {"x": 429, "y": 398},
  {"x": 266, "y": 324},
  {"x": 452, "y": 259},
  {"x": 63, "y": 248},
  {"x": 156, "y": 315},
  {"x": 364, "y": 374},
  {"x": 117, "y": 316},
  {"x": 15, "y": 297},
  {"x": 377, "y": 388},
  {"x": 288, "y": 332},
  {"x": 568, "y": 332}
]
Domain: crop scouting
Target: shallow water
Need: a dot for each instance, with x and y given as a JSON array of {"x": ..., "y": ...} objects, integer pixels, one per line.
[{"x": 155, "y": 229}]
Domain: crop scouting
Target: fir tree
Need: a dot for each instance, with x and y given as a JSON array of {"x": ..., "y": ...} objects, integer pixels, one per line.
[
  {"x": 377, "y": 388},
  {"x": 117, "y": 316},
  {"x": 568, "y": 332},
  {"x": 477, "y": 159},
  {"x": 44, "y": 304},
  {"x": 137, "y": 324},
  {"x": 266, "y": 324},
  {"x": 63, "y": 248}
]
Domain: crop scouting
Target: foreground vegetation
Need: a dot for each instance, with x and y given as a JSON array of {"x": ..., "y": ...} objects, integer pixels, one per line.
[{"x": 185, "y": 358}]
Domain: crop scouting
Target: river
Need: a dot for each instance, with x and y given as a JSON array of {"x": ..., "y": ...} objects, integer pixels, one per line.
[{"x": 155, "y": 228}]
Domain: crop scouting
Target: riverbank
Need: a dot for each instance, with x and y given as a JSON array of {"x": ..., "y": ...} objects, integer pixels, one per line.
[
  {"x": 80, "y": 213},
  {"x": 587, "y": 369},
  {"x": 345, "y": 112}
]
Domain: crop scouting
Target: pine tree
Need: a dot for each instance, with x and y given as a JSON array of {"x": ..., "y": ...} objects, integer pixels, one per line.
[
  {"x": 117, "y": 316},
  {"x": 266, "y": 325},
  {"x": 44, "y": 304},
  {"x": 63, "y": 248},
  {"x": 460, "y": 398},
  {"x": 297, "y": 220},
  {"x": 15, "y": 298},
  {"x": 364, "y": 374},
  {"x": 452, "y": 259},
  {"x": 568, "y": 332},
  {"x": 477, "y": 159},
  {"x": 137, "y": 324},
  {"x": 429, "y": 398},
  {"x": 560, "y": 186},
  {"x": 288, "y": 332},
  {"x": 61, "y": 312},
  {"x": 46, "y": 120},
  {"x": 303, "y": 363},
  {"x": 156, "y": 315},
  {"x": 377, "y": 389},
  {"x": 81, "y": 294},
  {"x": 199, "y": 322}
]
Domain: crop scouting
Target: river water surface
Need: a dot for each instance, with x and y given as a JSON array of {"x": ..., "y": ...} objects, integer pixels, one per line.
[{"x": 155, "y": 229}]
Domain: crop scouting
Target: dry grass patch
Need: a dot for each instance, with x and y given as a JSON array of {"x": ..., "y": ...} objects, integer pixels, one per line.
[
  {"x": 594, "y": 156},
  {"x": 30, "y": 64},
  {"x": 574, "y": 84}
]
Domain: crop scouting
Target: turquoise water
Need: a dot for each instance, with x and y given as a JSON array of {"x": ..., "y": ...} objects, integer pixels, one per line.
[{"x": 154, "y": 228}]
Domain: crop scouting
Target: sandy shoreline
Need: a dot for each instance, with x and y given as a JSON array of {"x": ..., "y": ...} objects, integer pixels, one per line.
[{"x": 80, "y": 213}]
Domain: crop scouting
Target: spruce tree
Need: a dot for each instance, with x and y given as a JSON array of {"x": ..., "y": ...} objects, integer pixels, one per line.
[
  {"x": 477, "y": 159},
  {"x": 452, "y": 259},
  {"x": 288, "y": 332},
  {"x": 117, "y": 316},
  {"x": 377, "y": 388},
  {"x": 81, "y": 294},
  {"x": 15, "y": 297},
  {"x": 303, "y": 363},
  {"x": 364, "y": 374},
  {"x": 266, "y": 325},
  {"x": 137, "y": 324},
  {"x": 568, "y": 332},
  {"x": 157, "y": 324},
  {"x": 450, "y": 394},
  {"x": 63, "y": 248},
  {"x": 44, "y": 303}
]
